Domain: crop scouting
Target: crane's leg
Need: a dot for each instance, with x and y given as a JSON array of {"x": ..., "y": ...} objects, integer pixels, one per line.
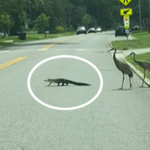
[
  {"x": 143, "y": 78},
  {"x": 122, "y": 81},
  {"x": 130, "y": 82}
]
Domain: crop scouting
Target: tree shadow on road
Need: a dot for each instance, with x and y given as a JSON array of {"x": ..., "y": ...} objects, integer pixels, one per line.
[
  {"x": 20, "y": 45},
  {"x": 43, "y": 43},
  {"x": 99, "y": 51}
]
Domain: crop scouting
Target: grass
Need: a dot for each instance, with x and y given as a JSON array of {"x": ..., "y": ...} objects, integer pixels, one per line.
[
  {"x": 142, "y": 41},
  {"x": 6, "y": 41},
  {"x": 144, "y": 57}
]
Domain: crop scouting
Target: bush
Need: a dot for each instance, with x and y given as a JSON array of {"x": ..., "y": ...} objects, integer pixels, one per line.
[{"x": 60, "y": 29}]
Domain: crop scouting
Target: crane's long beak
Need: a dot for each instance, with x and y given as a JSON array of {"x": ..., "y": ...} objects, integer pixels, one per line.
[
  {"x": 110, "y": 50},
  {"x": 129, "y": 55}
]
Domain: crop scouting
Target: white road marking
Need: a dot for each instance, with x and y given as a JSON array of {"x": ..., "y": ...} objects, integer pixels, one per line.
[
  {"x": 80, "y": 49},
  {"x": 41, "y": 49},
  {"x": 4, "y": 51}
]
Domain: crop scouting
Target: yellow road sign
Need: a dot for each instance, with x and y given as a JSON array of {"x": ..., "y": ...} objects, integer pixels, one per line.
[
  {"x": 126, "y": 11},
  {"x": 126, "y": 19},
  {"x": 125, "y": 2}
]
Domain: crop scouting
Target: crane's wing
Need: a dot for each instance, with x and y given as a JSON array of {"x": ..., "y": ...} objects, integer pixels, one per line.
[
  {"x": 147, "y": 64},
  {"x": 125, "y": 68},
  {"x": 144, "y": 64},
  {"x": 124, "y": 65}
]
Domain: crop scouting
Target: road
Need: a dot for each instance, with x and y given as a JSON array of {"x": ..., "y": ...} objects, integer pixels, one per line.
[{"x": 116, "y": 120}]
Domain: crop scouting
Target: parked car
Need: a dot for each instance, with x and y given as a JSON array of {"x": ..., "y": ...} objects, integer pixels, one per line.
[
  {"x": 136, "y": 27},
  {"x": 81, "y": 30},
  {"x": 98, "y": 29},
  {"x": 1, "y": 34},
  {"x": 120, "y": 31},
  {"x": 92, "y": 30}
]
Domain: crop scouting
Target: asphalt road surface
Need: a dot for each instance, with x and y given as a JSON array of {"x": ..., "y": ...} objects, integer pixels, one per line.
[{"x": 116, "y": 120}]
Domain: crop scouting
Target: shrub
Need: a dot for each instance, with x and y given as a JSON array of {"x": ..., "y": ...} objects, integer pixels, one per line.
[{"x": 60, "y": 29}]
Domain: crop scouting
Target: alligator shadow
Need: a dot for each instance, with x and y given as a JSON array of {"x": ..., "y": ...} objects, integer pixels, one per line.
[{"x": 52, "y": 86}]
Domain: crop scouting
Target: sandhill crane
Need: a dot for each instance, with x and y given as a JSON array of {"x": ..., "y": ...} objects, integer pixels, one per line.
[
  {"x": 123, "y": 67},
  {"x": 143, "y": 64}
]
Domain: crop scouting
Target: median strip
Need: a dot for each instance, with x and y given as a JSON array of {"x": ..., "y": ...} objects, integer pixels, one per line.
[{"x": 12, "y": 62}]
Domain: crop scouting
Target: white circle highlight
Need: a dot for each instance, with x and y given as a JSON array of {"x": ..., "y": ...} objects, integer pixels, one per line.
[{"x": 62, "y": 108}]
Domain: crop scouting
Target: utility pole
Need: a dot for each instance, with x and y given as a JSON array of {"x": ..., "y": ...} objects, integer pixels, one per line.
[{"x": 140, "y": 19}]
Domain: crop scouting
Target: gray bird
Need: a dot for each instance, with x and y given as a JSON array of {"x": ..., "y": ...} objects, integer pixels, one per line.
[
  {"x": 143, "y": 64},
  {"x": 123, "y": 67}
]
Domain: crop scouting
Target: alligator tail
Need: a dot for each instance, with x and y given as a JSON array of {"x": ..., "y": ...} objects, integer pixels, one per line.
[{"x": 78, "y": 83}]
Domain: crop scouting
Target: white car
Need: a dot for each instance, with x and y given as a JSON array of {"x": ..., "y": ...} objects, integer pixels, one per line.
[
  {"x": 91, "y": 30},
  {"x": 98, "y": 29},
  {"x": 81, "y": 30},
  {"x": 1, "y": 34}
]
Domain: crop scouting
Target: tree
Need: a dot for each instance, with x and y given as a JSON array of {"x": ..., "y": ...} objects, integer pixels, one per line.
[
  {"x": 42, "y": 23},
  {"x": 5, "y": 23},
  {"x": 87, "y": 20},
  {"x": 68, "y": 13}
]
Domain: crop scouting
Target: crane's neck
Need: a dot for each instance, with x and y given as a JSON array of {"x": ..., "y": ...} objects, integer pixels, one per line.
[
  {"x": 114, "y": 56},
  {"x": 134, "y": 58}
]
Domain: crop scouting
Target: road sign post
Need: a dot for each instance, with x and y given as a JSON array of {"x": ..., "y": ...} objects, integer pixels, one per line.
[
  {"x": 126, "y": 21},
  {"x": 126, "y": 12},
  {"x": 127, "y": 33},
  {"x": 126, "y": 26}
]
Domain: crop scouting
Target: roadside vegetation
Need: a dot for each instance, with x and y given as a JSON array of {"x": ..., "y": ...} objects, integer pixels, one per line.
[
  {"x": 31, "y": 37},
  {"x": 61, "y": 16},
  {"x": 65, "y": 15},
  {"x": 144, "y": 57},
  {"x": 140, "y": 40}
]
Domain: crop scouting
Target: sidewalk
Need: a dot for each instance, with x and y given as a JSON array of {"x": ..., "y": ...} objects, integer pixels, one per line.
[{"x": 137, "y": 51}]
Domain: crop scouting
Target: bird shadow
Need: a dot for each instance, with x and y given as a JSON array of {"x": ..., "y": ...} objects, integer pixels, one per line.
[
  {"x": 119, "y": 89},
  {"x": 129, "y": 89},
  {"x": 144, "y": 87}
]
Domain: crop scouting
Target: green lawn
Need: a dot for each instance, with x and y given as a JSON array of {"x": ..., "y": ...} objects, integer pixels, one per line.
[
  {"x": 144, "y": 57},
  {"x": 31, "y": 37},
  {"x": 142, "y": 41}
]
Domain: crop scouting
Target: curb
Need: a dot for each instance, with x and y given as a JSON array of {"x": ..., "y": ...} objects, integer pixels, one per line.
[
  {"x": 131, "y": 38},
  {"x": 136, "y": 71},
  {"x": 110, "y": 44}
]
